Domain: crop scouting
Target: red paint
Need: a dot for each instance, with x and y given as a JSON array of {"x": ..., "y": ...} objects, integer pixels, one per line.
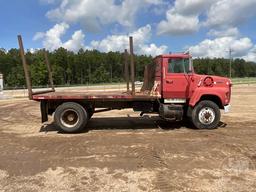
[
  {"x": 90, "y": 96},
  {"x": 168, "y": 85},
  {"x": 191, "y": 86}
]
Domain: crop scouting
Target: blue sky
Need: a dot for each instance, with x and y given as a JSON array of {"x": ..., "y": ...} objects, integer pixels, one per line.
[{"x": 208, "y": 28}]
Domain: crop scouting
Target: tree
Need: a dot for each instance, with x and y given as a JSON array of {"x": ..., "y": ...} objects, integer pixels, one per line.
[{"x": 92, "y": 66}]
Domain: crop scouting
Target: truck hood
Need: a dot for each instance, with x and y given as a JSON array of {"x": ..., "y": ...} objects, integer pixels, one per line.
[{"x": 216, "y": 80}]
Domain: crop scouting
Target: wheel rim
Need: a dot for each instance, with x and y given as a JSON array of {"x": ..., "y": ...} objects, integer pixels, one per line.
[
  {"x": 69, "y": 118},
  {"x": 206, "y": 115}
]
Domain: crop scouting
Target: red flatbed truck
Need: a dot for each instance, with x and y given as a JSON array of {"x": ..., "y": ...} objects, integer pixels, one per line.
[{"x": 170, "y": 89}]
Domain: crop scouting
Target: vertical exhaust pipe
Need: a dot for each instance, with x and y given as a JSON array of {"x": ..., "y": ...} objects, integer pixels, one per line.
[
  {"x": 25, "y": 67},
  {"x": 132, "y": 66}
]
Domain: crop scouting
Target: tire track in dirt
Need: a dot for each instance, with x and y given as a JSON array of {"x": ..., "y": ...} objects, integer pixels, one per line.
[
  {"x": 22, "y": 116},
  {"x": 150, "y": 157}
]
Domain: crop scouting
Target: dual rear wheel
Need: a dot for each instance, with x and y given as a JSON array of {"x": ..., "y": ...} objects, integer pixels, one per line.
[{"x": 72, "y": 117}]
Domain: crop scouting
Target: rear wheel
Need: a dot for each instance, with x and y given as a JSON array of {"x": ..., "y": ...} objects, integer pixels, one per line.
[
  {"x": 206, "y": 115},
  {"x": 70, "y": 117}
]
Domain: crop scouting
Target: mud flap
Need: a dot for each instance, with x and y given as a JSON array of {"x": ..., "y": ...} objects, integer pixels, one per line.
[{"x": 44, "y": 111}]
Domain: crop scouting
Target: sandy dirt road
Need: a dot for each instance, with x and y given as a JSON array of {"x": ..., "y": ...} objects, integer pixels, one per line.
[{"x": 125, "y": 152}]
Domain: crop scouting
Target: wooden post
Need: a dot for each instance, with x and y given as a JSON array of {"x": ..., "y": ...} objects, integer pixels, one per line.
[
  {"x": 132, "y": 66},
  {"x": 49, "y": 69},
  {"x": 126, "y": 70},
  {"x": 25, "y": 67},
  {"x": 146, "y": 80}
]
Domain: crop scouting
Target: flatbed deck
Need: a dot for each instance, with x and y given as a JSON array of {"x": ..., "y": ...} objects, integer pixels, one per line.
[{"x": 100, "y": 95}]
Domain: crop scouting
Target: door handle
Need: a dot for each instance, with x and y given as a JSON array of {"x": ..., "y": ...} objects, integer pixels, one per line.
[{"x": 169, "y": 81}]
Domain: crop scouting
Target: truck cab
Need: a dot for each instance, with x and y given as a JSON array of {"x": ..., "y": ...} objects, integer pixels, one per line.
[{"x": 183, "y": 93}]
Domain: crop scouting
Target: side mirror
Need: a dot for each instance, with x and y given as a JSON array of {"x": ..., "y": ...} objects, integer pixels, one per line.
[{"x": 190, "y": 71}]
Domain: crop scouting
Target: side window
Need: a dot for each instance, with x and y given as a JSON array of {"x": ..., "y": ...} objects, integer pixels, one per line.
[
  {"x": 175, "y": 65},
  {"x": 178, "y": 65}
]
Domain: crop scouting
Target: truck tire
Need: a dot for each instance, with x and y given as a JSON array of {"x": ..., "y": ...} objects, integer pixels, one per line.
[
  {"x": 70, "y": 117},
  {"x": 206, "y": 115}
]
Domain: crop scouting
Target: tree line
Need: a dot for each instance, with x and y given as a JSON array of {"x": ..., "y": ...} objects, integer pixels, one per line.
[{"x": 92, "y": 66}]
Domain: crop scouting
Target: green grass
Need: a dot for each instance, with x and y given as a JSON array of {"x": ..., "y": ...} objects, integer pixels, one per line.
[{"x": 244, "y": 80}]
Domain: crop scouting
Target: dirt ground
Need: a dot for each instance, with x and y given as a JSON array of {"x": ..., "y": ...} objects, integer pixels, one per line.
[{"x": 125, "y": 152}]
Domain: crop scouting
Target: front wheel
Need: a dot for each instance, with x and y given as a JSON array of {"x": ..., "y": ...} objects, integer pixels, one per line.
[
  {"x": 206, "y": 115},
  {"x": 71, "y": 117}
]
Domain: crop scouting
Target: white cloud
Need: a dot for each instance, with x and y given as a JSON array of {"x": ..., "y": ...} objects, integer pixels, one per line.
[
  {"x": 152, "y": 49},
  {"x": 230, "y": 12},
  {"x": 92, "y": 14},
  {"x": 226, "y": 32},
  {"x": 220, "y": 46},
  {"x": 33, "y": 50},
  {"x": 192, "y": 7},
  {"x": 52, "y": 38},
  {"x": 155, "y": 2},
  {"x": 49, "y": 1},
  {"x": 251, "y": 56},
  {"x": 38, "y": 35},
  {"x": 177, "y": 24},
  {"x": 121, "y": 42},
  {"x": 183, "y": 17},
  {"x": 76, "y": 42},
  {"x": 186, "y": 16},
  {"x": 221, "y": 17}
]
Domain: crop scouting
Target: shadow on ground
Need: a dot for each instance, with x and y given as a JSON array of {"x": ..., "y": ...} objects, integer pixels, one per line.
[
  {"x": 128, "y": 123},
  {"x": 123, "y": 123}
]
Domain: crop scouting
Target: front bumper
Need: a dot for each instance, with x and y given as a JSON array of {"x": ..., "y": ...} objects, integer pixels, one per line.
[{"x": 227, "y": 108}]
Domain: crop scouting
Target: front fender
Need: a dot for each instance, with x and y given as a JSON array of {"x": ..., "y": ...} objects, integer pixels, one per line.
[{"x": 203, "y": 91}]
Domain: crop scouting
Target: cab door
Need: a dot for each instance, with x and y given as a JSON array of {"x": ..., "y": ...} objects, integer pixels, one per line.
[{"x": 175, "y": 80}]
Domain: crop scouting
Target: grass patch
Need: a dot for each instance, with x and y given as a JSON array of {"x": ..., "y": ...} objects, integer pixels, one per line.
[{"x": 244, "y": 80}]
